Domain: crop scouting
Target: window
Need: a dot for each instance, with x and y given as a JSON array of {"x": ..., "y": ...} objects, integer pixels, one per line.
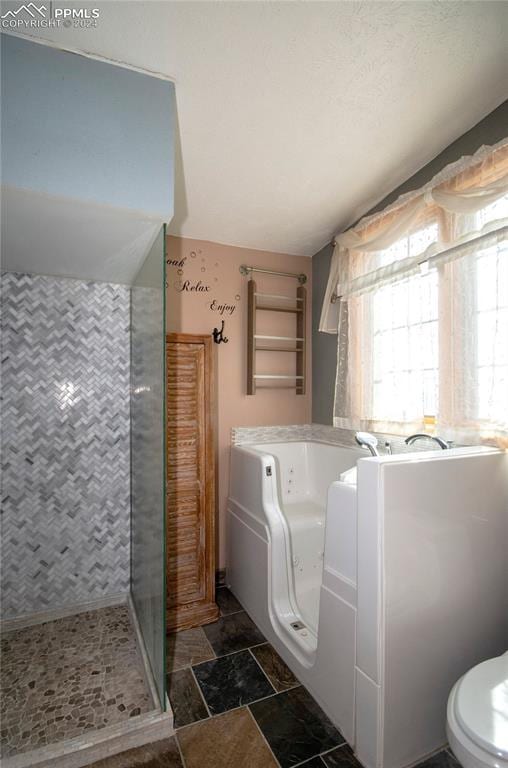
[
  {"x": 423, "y": 311},
  {"x": 404, "y": 328},
  {"x": 405, "y": 321},
  {"x": 491, "y": 323}
]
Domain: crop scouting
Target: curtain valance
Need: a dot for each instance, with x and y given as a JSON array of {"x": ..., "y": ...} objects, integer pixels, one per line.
[
  {"x": 358, "y": 264},
  {"x": 493, "y": 233}
]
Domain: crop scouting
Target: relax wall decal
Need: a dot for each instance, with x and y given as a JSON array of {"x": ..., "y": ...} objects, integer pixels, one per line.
[{"x": 189, "y": 286}]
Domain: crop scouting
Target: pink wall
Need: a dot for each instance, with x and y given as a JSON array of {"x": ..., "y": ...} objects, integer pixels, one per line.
[{"x": 195, "y": 264}]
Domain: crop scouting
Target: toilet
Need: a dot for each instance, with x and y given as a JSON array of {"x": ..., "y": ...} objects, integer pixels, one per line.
[{"x": 477, "y": 716}]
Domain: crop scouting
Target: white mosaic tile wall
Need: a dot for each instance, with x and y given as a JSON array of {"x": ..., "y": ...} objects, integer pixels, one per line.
[{"x": 65, "y": 446}]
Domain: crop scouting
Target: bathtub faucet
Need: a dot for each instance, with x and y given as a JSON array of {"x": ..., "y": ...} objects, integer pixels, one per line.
[
  {"x": 422, "y": 436},
  {"x": 366, "y": 440}
]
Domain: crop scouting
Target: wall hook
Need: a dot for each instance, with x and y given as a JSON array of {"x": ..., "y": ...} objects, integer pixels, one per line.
[{"x": 218, "y": 335}]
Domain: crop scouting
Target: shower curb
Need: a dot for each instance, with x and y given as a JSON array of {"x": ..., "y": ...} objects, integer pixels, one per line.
[
  {"x": 109, "y": 741},
  {"x": 53, "y": 614}
]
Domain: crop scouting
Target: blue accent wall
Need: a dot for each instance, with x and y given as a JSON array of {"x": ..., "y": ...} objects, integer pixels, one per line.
[{"x": 80, "y": 128}]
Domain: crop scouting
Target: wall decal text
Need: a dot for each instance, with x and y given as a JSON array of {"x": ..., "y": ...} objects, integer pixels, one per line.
[
  {"x": 192, "y": 287},
  {"x": 222, "y": 309},
  {"x": 176, "y": 262}
]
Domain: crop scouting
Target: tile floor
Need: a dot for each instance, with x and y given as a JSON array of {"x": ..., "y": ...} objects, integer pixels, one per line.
[
  {"x": 237, "y": 705},
  {"x": 64, "y": 677}
]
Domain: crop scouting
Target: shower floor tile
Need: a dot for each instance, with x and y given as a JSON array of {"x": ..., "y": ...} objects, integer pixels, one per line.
[{"x": 65, "y": 677}]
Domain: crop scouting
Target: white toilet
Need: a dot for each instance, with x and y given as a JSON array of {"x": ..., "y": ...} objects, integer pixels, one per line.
[{"x": 477, "y": 718}]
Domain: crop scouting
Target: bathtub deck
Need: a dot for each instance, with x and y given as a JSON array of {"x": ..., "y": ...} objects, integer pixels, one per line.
[{"x": 237, "y": 704}]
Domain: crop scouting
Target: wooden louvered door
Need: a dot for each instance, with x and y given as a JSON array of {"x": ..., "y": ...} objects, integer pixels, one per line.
[{"x": 190, "y": 502}]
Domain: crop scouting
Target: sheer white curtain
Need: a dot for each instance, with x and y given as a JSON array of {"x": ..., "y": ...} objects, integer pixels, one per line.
[{"x": 422, "y": 308}]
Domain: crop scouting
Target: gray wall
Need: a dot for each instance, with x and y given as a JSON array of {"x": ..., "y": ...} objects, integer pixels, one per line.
[
  {"x": 65, "y": 442},
  {"x": 490, "y": 130},
  {"x": 324, "y": 345}
]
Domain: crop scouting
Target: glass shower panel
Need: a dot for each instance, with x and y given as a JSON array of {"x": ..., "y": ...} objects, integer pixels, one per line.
[{"x": 148, "y": 559}]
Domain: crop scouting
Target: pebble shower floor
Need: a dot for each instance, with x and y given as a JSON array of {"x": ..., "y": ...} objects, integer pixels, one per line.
[{"x": 62, "y": 678}]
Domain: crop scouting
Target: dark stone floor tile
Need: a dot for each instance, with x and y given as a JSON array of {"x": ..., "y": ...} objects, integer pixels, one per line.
[
  {"x": 226, "y": 601},
  {"x": 233, "y": 633},
  {"x": 277, "y": 671},
  {"x": 185, "y": 698},
  {"x": 231, "y": 681},
  {"x": 442, "y": 759},
  {"x": 159, "y": 754},
  {"x": 314, "y": 762},
  {"x": 295, "y": 726},
  {"x": 342, "y": 757}
]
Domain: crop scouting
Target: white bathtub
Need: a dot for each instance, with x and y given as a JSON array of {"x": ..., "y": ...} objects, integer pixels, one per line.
[
  {"x": 298, "y": 584},
  {"x": 370, "y": 583}
]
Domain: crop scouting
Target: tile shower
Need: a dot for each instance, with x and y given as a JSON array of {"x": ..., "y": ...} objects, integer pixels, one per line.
[
  {"x": 66, "y": 473},
  {"x": 82, "y": 615}
]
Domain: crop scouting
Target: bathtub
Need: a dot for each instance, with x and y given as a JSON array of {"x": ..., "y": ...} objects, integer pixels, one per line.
[
  {"x": 299, "y": 584},
  {"x": 358, "y": 570}
]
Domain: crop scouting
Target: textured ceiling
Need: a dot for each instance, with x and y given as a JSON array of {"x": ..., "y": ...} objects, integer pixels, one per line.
[{"x": 296, "y": 117}]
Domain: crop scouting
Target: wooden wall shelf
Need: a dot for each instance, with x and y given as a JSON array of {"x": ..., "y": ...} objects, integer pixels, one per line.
[{"x": 297, "y": 305}]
